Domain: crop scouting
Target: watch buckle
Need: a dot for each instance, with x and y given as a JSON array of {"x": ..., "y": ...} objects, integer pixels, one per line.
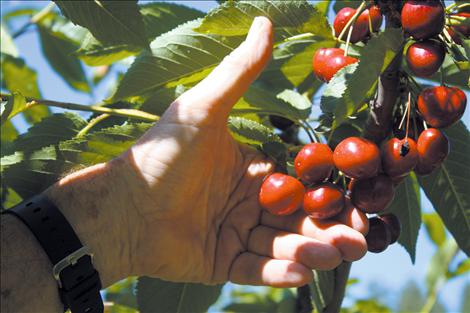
[{"x": 70, "y": 260}]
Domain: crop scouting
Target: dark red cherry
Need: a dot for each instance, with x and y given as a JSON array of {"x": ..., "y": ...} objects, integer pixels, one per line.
[
  {"x": 357, "y": 157},
  {"x": 281, "y": 194},
  {"x": 399, "y": 156},
  {"x": 379, "y": 236},
  {"x": 393, "y": 224},
  {"x": 314, "y": 163},
  {"x": 280, "y": 122},
  {"x": 361, "y": 25},
  {"x": 442, "y": 106},
  {"x": 424, "y": 58},
  {"x": 422, "y": 19},
  {"x": 375, "y": 16},
  {"x": 464, "y": 28},
  {"x": 433, "y": 148},
  {"x": 324, "y": 201},
  {"x": 372, "y": 195},
  {"x": 327, "y": 61}
]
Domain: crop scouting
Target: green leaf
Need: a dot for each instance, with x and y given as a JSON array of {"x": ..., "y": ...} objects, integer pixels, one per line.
[
  {"x": 322, "y": 288},
  {"x": 16, "y": 104},
  {"x": 296, "y": 100},
  {"x": 30, "y": 173},
  {"x": 369, "y": 305},
  {"x": 406, "y": 206},
  {"x": 345, "y": 3},
  {"x": 158, "y": 18},
  {"x": 437, "y": 269},
  {"x": 251, "y": 132},
  {"x": 360, "y": 84},
  {"x": 180, "y": 56},
  {"x": 8, "y": 133},
  {"x": 7, "y": 46},
  {"x": 122, "y": 293},
  {"x": 447, "y": 187},
  {"x": 50, "y": 131},
  {"x": 19, "y": 77},
  {"x": 156, "y": 295},
  {"x": 111, "y": 22},
  {"x": 435, "y": 228},
  {"x": 462, "y": 268},
  {"x": 58, "y": 51},
  {"x": 289, "y": 18}
]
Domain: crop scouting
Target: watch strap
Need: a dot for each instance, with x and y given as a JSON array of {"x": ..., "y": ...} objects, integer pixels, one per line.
[{"x": 79, "y": 282}]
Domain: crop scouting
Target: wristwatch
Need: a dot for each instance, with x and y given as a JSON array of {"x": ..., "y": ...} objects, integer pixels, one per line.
[{"x": 78, "y": 281}]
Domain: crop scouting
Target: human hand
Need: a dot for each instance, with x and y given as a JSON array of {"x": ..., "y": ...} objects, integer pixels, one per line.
[{"x": 188, "y": 208}]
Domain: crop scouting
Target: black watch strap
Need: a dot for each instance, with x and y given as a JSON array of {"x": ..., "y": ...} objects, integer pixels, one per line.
[{"x": 79, "y": 282}]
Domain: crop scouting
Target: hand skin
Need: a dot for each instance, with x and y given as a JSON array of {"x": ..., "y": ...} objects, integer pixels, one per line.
[{"x": 182, "y": 205}]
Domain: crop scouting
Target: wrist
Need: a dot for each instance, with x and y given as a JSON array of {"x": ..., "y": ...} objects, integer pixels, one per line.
[{"x": 93, "y": 201}]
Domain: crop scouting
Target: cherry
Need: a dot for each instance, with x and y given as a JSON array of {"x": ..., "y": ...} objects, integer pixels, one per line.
[
  {"x": 441, "y": 106},
  {"x": 399, "y": 156},
  {"x": 314, "y": 163},
  {"x": 379, "y": 236},
  {"x": 464, "y": 28},
  {"x": 433, "y": 148},
  {"x": 393, "y": 224},
  {"x": 424, "y": 58},
  {"x": 280, "y": 122},
  {"x": 375, "y": 17},
  {"x": 324, "y": 201},
  {"x": 422, "y": 19},
  {"x": 361, "y": 25},
  {"x": 357, "y": 157},
  {"x": 327, "y": 61},
  {"x": 281, "y": 194},
  {"x": 372, "y": 195}
]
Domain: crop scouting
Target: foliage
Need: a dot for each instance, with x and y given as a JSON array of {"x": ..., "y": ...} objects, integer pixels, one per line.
[{"x": 172, "y": 47}]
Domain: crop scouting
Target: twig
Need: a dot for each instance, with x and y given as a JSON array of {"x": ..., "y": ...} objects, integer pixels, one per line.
[
  {"x": 36, "y": 18},
  {"x": 341, "y": 279},
  {"x": 130, "y": 113},
  {"x": 303, "y": 303}
]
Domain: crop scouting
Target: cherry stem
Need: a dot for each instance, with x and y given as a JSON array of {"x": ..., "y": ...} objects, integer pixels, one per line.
[
  {"x": 307, "y": 129},
  {"x": 348, "y": 40},
  {"x": 425, "y": 125},
  {"x": 352, "y": 20},
  {"x": 92, "y": 124},
  {"x": 370, "y": 23},
  {"x": 408, "y": 107}
]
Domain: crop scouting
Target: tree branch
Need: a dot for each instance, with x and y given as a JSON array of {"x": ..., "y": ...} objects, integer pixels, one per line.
[
  {"x": 303, "y": 303},
  {"x": 130, "y": 113},
  {"x": 341, "y": 280}
]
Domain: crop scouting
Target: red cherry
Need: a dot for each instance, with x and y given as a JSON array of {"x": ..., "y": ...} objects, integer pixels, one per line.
[
  {"x": 361, "y": 25},
  {"x": 442, "y": 106},
  {"x": 372, "y": 195},
  {"x": 357, "y": 157},
  {"x": 422, "y": 19},
  {"x": 393, "y": 224},
  {"x": 433, "y": 148},
  {"x": 399, "y": 156},
  {"x": 464, "y": 28},
  {"x": 424, "y": 58},
  {"x": 314, "y": 163},
  {"x": 281, "y": 194},
  {"x": 323, "y": 201},
  {"x": 375, "y": 17},
  {"x": 379, "y": 236},
  {"x": 327, "y": 61}
]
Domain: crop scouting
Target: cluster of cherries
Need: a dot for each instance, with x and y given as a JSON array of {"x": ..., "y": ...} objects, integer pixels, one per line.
[{"x": 370, "y": 173}]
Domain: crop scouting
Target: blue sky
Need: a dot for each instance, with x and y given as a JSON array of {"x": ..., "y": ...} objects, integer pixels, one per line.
[{"x": 391, "y": 269}]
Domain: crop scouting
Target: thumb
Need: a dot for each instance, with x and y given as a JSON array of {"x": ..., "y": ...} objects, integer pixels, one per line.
[{"x": 214, "y": 97}]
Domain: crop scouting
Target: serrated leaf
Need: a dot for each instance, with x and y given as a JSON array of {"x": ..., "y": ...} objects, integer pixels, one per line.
[
  {"x": 336, "y": 86},
  {"x": 447, "y": 187},
  {"x": 435, "y": 228},
  {"x": 180, "y": 56},
  {"x": 30, "y": 173},
  {"x": 8, "y": 133},
  {"x": 251, "y": 132},
  {"x": 406, "y": 206},
  {"x": 359, "y": 85},
  {"x": 50, "y": 131},
  {"x": 158, "y": 18},
  {"x": 111, "y": 22},
  {"x": 156, "y": 295},
  {"x": 58, "y": 51},
  {"x": 289, "y": 18},
  {"x": 296, "y": 100},
  {"x": 19, "y": 77},
  {"x": 7, "y": 46}
]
